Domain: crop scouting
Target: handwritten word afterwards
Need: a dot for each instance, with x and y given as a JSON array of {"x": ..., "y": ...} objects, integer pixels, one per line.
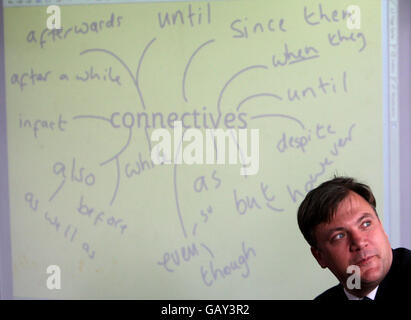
[
  {"x": 214, "y": 139},
  {"x": 60, "y": 34}
]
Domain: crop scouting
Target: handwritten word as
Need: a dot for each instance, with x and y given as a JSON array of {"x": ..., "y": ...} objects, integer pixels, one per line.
[
  {"x": 200, "y": 183},
  {"x": 32, "y": 201}
]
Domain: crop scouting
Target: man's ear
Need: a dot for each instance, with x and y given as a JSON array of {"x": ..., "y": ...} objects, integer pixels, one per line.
[{"x": 318, "y": 255}]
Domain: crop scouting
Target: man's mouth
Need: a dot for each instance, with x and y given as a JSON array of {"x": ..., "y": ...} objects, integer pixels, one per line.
[{"x": 365, "y": 261}]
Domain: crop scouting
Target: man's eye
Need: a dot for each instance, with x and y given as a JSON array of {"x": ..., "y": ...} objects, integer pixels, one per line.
[
  {"x": 366, "y": 224},
  {"x": 338, "y": 236}
]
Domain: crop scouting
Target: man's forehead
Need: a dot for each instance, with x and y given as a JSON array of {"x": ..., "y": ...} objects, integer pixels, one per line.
[
  {"x": 350, "y": 209},
  {"x": 351, "y": 203}
]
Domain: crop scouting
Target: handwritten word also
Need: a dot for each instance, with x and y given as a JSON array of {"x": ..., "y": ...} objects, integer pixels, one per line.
[
  {"x": 76, "y": 175},
  {"x": 43, "y": 124}
]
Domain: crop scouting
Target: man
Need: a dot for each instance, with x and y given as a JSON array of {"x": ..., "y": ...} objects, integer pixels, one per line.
[{"x": 340, "y": 222}]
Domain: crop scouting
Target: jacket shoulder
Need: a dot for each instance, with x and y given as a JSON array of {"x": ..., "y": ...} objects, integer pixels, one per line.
[{"x": 335, "y": 293}]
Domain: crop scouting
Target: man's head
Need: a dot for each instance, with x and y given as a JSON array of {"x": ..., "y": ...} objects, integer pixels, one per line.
[{"x": 340, "y": 222}]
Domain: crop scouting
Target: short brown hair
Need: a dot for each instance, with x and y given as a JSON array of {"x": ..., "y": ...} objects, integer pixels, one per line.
[{"x": 321, "y": 203}]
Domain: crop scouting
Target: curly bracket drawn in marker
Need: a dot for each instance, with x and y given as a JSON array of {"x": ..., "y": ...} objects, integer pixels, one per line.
[
  {"x": 269, "y": 115},
  {"x": 188, "y": 65},
  {"x": 265, "y": 94},
  {"x": 232, "y": 78}
]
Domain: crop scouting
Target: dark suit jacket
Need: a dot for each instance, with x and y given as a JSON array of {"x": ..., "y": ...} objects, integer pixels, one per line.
[{"x": 395, "y": 286}]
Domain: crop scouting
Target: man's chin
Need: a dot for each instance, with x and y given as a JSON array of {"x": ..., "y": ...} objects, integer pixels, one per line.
[{"x": 371, "y": 276}]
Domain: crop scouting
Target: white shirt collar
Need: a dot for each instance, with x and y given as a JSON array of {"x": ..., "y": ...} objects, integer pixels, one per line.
[{"x": 371, "y": 295}]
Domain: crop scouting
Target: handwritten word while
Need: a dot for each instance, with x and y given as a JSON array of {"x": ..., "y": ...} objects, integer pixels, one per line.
[{"x": 91, "y": 74}]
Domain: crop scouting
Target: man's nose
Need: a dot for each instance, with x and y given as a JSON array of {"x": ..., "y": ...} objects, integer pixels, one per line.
[{"x": 358, "y": 240}]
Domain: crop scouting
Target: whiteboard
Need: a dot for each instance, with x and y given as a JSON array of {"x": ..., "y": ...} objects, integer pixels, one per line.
[{"x": 83, "y": 101}]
